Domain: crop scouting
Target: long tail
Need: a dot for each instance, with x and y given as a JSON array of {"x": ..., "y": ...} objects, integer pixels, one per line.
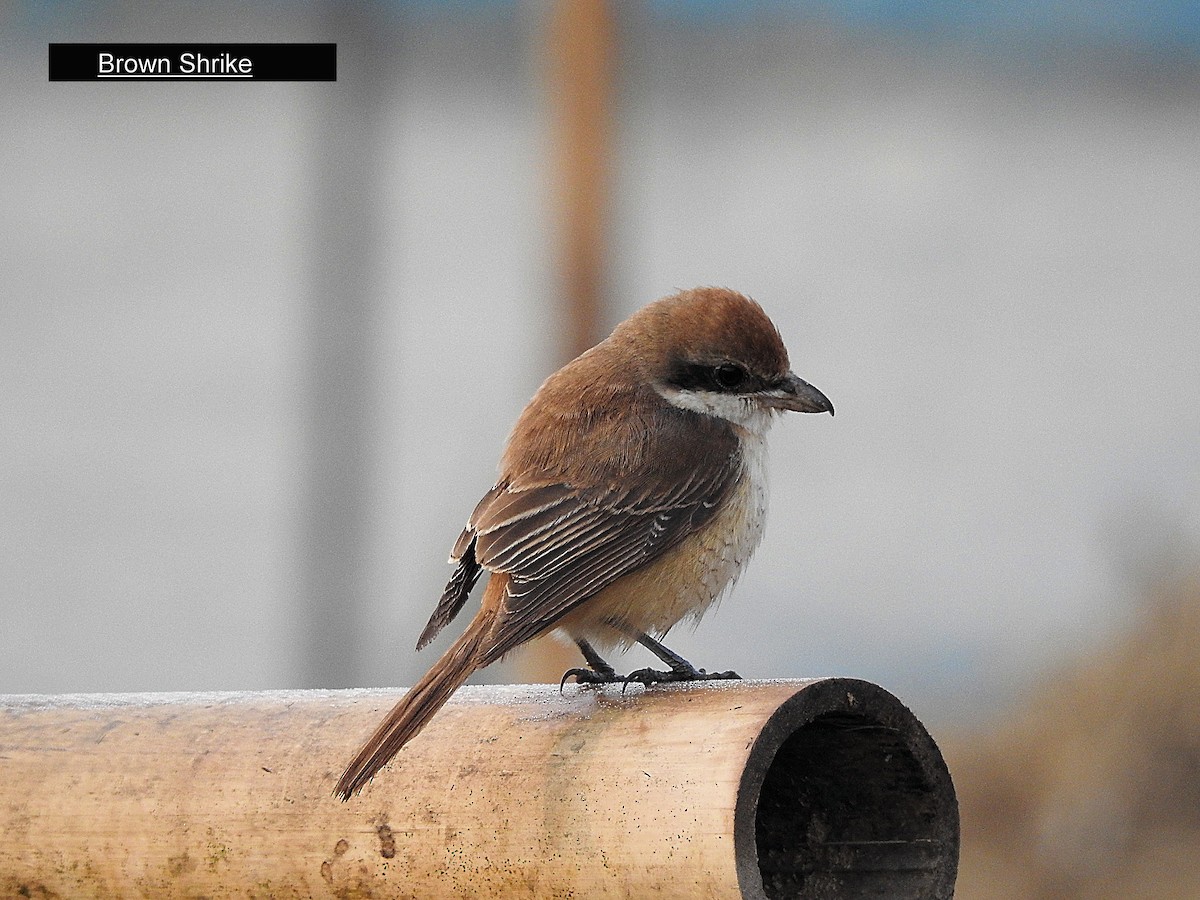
[{"x": 417, "y": 707}]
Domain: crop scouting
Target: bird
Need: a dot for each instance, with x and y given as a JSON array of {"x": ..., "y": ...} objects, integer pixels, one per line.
[{"x": 630, "y": 495}]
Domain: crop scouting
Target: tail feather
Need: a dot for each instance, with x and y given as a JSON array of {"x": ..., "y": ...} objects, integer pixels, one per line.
[{"x": 416, "y": 708}]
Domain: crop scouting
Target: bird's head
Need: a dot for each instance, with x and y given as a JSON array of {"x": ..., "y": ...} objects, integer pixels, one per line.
[{"x": 714, "y": 351}]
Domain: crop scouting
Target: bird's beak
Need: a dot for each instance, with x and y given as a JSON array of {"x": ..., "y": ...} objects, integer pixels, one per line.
[{"x": 797, "y": 395}]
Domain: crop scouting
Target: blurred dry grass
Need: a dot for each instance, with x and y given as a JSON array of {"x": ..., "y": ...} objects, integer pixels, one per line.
[{"x": 1092, "y": 788}]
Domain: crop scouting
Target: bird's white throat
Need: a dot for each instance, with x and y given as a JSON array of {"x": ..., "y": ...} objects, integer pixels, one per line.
[{"x": 741, "y": 410}]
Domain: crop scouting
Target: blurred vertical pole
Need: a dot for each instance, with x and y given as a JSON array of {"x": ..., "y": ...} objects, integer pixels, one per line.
[
  {"x": 580, "y": 58},
  {"x": 345, "y": 285},
  {"x": 580, "y": 50}
]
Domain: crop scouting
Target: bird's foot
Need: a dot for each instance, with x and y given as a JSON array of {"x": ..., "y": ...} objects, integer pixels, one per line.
[
  {"x": 602, "y": 673},
  {"x": 648, "y": 677}
]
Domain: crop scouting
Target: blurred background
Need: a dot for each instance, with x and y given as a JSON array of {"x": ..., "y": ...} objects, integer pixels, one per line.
[{"x": 261, "y": 344}]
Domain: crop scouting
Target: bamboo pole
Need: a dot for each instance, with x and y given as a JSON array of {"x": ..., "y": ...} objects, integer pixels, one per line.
[{"x": 819, "y": 788}]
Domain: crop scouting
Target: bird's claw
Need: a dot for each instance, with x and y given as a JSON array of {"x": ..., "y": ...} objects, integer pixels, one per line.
[
  {"x": 729, "y": 675},
  {"x": 589, "y": 676}
]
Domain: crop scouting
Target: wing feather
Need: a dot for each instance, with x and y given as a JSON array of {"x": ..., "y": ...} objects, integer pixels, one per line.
[
  {"x": 595, "y": 537},
  {"x": 579, "y": 507},
  {"x": 466, "y": 573}
]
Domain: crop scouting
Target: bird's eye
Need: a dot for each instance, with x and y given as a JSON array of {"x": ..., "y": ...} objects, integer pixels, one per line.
[{"x": 729, "y": 377}]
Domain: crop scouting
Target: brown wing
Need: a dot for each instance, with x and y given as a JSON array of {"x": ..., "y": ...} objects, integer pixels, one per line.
[
  {"x": 502, "y": 502},
  {"x": 590, "y": 491},
  {"x": 466, "y": 572},
  {"x": 561, "y": 545}
]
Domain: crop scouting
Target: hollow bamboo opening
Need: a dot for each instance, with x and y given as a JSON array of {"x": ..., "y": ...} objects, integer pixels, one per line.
[{"x": 846, "y": 795}]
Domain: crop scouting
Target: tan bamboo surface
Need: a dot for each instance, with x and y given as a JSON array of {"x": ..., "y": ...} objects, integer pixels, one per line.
[{"x": 733, "y": 789}]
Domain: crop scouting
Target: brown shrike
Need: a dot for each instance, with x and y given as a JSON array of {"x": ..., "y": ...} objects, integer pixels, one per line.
[{"x": 631, "y": 493}]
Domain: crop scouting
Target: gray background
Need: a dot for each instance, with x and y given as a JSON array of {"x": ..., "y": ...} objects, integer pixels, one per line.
[{"x": 982, "y": 245}]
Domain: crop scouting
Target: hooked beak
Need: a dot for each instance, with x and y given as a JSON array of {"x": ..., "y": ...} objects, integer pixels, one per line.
[{"x": 797, "y": 395}]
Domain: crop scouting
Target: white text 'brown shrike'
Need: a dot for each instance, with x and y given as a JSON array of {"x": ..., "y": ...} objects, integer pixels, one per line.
[{"x": 631, "y": 494}]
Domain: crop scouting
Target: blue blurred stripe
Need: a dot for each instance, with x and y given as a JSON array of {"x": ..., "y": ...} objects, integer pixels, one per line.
[{"x": 1165, "y": 23}]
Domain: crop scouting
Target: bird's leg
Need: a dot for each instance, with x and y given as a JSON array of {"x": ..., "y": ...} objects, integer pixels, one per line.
[
  {"x": 602, "y": 673},
  {"x": 680, "y": 668},
  {"x": 599, "y": 673}
]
